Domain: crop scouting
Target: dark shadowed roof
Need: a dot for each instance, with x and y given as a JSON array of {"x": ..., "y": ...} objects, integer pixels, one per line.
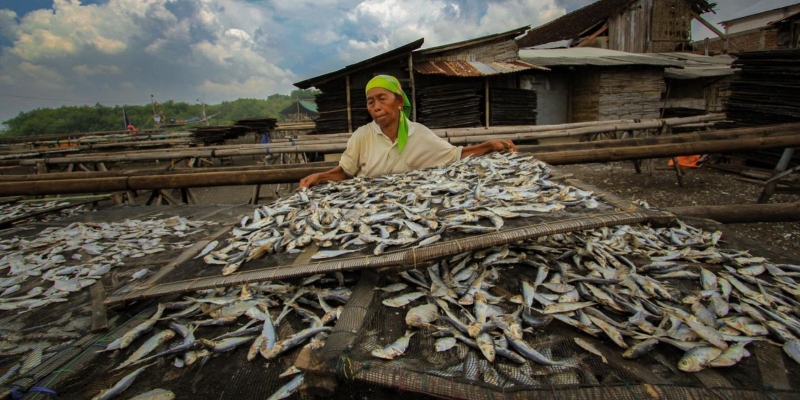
[
  {"x": 582, "y": 20},
  {"x": 471, "y": 42},
  {"x": 352, "y": 68}
]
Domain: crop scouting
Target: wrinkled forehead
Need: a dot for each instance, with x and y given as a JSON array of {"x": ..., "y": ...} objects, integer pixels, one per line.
[{"x": 374, "y": 93}]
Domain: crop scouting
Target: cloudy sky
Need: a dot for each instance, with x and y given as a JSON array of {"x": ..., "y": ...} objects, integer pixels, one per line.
[{"x": 71, "y": 52}]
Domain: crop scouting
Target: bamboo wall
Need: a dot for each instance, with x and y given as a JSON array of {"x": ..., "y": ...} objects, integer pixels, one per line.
[
  {"x": 634, "y": 93},
  {"x": 671, "y": 26},
  {"x": 585, "y": 95}
]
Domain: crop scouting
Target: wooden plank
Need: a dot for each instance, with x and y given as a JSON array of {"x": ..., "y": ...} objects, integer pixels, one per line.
[
  {"x": 99, "y": 316},
  {"x": 783, "y": 163}
]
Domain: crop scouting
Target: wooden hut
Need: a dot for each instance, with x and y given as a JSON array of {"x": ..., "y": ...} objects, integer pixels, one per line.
[
  {"x": 300, "y": 110},
  {"x": 636, "y": 26},
  {"x": 473, "y": 83},
  {"x": 591, "y": 84},
  {"x": 788, "y": 31}
]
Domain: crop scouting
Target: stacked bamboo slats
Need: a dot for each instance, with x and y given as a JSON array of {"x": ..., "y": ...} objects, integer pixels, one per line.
[
  {"x": 767, "y": 87},
  {"x": 454, "y": 105},
  {"x": 512, "y": 107},
  {"x": 257, "y": 124}
]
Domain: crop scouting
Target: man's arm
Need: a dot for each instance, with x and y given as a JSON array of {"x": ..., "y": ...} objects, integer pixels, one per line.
[
  {"x": 488, "y": 147},
  {"x": 335, "y": 174}
]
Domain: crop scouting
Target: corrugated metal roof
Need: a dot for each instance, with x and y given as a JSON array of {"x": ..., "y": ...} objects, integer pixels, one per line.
[
  {"x": 590, "y": 56},
  {"x": 472, "y": 68},
  {"x": 760, "y": 7}
]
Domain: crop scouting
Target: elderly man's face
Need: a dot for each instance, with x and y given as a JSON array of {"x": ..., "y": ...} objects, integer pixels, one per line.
[{"x": 384, "y": 106}]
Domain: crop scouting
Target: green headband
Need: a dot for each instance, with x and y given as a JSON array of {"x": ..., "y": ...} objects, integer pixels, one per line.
[{"x": 391, "y": 84}]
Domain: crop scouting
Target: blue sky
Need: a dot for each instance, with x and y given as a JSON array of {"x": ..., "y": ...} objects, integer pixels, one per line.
[{"x": 71, "y": 52}]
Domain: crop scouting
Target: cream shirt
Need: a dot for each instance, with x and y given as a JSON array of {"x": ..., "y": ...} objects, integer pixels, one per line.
[{"x": 371, "y": 153}]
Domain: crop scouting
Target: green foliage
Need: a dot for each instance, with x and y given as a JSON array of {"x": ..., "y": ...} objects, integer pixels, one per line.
[{"x": 71, "y": 119}]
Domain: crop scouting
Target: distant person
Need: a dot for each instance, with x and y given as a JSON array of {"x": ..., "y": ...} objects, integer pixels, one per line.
[{"x": 391, "y": 144}]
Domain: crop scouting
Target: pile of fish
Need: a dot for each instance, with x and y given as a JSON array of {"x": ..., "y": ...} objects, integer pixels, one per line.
[
  {"x": 259, "y": 313},
  {"x": 63, "y": 260},
  {"x": 11, "y": 211},
  {"x": 635, "y": 286},
  {"x": 411, "y": 209}
]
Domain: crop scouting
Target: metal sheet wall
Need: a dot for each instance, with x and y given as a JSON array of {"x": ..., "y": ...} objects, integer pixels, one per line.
[{"x": 552, "y": 90}]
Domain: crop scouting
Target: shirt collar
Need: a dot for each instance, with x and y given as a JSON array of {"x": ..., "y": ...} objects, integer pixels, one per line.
[{"x": 378, "y": 130}]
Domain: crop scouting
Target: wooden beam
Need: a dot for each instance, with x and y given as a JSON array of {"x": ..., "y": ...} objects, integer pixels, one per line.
[
  {"x": 349, "y": 110},
  {"x": 715, "y": 30},
  {"x": 593, "y": 36},
  {"x": 669, "y": 150},
  {"x": 413, "y": 99},
  {"x": 486, "y": 98}
]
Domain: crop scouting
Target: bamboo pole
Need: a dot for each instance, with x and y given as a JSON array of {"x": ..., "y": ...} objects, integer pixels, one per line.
[
  {"x": 668, "y": 150},
  {"x": 291, "y": 175},
  {"x": 152, "y": 171},
  {"x": 743, "y": 213},
  {"x": 679, "y": 138},
  {"x": 157, "y": 182}
]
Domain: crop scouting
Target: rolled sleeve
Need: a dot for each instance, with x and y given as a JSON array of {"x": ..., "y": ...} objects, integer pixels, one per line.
[{"x": 351, "y": 158}]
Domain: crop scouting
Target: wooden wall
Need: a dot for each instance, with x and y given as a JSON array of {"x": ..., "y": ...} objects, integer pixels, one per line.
[
  {"x": 651, "y": 26},
  {"x": 503, "y": 50},
  {"x": 629, "y": 31},
  {"x": 633, "y": 92}
]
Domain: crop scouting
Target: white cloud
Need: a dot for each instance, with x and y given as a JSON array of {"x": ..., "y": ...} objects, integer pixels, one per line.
[
  {"x": 392, "y": 23},
  {"x": 84, "y": 69},
  {"x": 223, "y": 49}
]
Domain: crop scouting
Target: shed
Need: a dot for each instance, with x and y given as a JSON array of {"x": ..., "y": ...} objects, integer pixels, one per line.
[
  {"x": 752, "y": 27},
  {"x": 342, "y": 105},
  {"x": 637, "y": 26},
  {"x": 701, "y": 86},
  {"x": 788, "y": 31},
  {"x": 590, "y": 84},
  {"x": 474, "y": 82},
  {"x": 300, "y": 110}
]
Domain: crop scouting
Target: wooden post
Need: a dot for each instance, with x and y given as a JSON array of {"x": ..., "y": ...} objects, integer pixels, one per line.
[
  {"x": 116, "y": 198},
  {"x": 413, "y": 88},
  {"x": 256, "y": 194},
  {"x": 486, "y": 86},
  {"x": 349, "y": 111},
  {"x": 783, "y": 163}
]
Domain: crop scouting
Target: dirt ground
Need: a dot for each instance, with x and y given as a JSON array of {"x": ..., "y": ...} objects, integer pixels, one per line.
[{"x": 701, "y": 187}]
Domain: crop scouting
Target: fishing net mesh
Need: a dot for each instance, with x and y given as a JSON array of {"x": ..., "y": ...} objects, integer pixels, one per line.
[{"x": 422, "y": 369}]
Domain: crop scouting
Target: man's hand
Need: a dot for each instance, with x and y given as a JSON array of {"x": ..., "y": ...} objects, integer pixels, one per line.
[
  {"x": 309, "y": 181},
  {"x": 336, "y": 174},
  {"x": 503, "y": 146}
]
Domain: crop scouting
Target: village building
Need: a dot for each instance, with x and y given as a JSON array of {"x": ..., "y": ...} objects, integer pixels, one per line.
[
  {"x": 300, "y": 111},
  {"x": 755, "y": 27},
  {"x": 636, "y": 26}
]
